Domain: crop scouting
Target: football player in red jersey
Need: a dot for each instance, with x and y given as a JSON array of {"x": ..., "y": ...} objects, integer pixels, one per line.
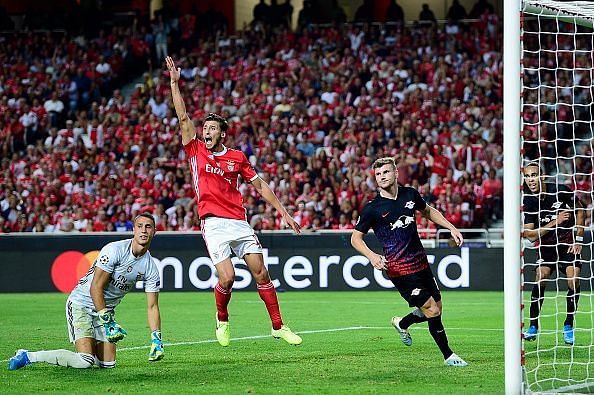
[{"x": 215, "y": 177}]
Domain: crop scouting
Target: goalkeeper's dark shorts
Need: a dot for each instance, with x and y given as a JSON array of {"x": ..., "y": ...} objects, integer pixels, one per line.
[
  {"x": 557, "y": 256},
  {"x": 417, "y": 288}
]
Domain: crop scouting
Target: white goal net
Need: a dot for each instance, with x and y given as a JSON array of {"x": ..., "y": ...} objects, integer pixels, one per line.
[{"x": 557, "y": 123}]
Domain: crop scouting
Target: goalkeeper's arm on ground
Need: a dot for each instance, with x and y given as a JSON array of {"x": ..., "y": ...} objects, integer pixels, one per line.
[{"x": 154, "y": 321}]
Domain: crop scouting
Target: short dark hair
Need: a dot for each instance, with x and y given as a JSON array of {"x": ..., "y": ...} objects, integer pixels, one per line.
[
  {"x": 146, "y": 215},
  {"x": 223, "y": 124},
  {"x": 535, "y": 163}
]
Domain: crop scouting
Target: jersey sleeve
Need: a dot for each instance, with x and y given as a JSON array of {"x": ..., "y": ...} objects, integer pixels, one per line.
[
  {"x": 366, "y": 219},
  {"x": 246, "y": 170},
  {"x": 107, "y": 259},
  {"x": 152, "y": 280},
  {"x": 420, "y": 203}
]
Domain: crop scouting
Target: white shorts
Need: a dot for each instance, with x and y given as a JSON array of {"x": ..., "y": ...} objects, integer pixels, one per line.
[
  {"x": 222, "y": 235},
  {"x": 83, "y": 322}
]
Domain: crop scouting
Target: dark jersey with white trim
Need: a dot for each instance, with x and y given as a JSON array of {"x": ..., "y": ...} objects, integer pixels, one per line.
[
  {"x": 393, "y": 222},
  {"x": 542, "y": 208}
]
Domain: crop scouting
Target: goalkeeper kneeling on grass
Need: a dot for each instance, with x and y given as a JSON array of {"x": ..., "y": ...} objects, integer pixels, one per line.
[{"x": 90, "y": 314}]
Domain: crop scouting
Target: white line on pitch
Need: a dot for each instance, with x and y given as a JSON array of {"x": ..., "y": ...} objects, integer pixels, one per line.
[{"x": 348, "y": 328}]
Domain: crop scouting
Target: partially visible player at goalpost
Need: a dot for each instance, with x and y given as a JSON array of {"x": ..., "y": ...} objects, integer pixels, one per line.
[
  {"x": 215, "y": 172},
  {"x": 392, "y": 216},
  {"x": 549, "y": 220},
  {"x": 90, "y": 307}
]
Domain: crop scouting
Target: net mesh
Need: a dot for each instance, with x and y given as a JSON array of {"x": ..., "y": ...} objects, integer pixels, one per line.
[{"x": 557, "y": 133}]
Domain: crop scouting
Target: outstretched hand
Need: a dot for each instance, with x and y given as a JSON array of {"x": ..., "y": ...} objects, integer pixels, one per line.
[
  {"x": 457, "y": 236},
  {"x": 292, "y": 223},
  {"x": 174, "y": 72}
]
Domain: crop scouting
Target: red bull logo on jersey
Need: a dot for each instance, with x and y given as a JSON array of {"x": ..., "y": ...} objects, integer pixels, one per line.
[{"x": 401, "y": 222}]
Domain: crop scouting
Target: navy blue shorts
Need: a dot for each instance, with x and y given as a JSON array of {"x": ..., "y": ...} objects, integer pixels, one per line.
[{"x": 417, "y": 288}]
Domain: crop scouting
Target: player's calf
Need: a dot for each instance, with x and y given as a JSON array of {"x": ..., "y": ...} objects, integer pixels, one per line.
[{"x": 64, "y": 358}]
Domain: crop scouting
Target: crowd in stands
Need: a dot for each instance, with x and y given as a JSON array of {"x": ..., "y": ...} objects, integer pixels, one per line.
[{"x": 311, "y": 109}]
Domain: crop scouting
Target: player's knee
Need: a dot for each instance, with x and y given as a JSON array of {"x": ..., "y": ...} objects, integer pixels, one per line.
[
  {"x": 227, "y": 281},
  {"x": 261, "y": 275},
  {"x": 432, "y": 311}
]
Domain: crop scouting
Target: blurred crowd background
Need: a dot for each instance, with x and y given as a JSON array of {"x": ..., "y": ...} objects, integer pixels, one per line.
[{"x": 89, "y": 137}]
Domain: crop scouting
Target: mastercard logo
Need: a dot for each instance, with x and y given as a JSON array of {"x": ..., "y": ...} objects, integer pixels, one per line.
[{"x": 69, "y": 267}]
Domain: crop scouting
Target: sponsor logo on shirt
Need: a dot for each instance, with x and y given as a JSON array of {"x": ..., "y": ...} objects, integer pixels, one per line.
[
  {"x": 402, "y": 222},
  {"x": 121, "y": 283},
  {"x": 548, "y": 218},
  {"x": 214, "y": 170}
]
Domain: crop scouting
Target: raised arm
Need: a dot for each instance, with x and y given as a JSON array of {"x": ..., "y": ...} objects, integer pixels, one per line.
[{"x": 187, "y": 126}]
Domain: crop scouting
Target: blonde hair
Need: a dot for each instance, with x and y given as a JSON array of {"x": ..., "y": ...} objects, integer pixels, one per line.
[{"x": 383, "y": 161}]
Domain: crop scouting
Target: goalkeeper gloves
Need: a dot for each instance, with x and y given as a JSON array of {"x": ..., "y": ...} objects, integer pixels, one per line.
[
  {"x": 113, "y": 331},
  {"x": 156, "y": 346}
]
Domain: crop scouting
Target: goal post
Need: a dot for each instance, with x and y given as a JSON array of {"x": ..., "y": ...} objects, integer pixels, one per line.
[
  {"x": 511, "y": 194},
  {"x": 549, "y": 117}
]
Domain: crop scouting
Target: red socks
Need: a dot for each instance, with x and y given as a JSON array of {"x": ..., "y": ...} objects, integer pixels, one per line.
[
  {"x": 268, "y": 295},
  {"x": 222, "y": 298}
]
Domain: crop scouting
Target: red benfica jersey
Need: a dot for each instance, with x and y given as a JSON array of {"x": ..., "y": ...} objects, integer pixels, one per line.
[{"x": 215, "y": 180}]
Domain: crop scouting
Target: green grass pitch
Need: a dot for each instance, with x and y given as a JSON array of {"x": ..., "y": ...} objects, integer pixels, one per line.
[{"x": 348, "y": 346}]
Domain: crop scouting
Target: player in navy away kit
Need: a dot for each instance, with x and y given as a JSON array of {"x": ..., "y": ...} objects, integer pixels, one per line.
[
  {"x": 551, "y": 212},
  {"x": 391, "y": 215}
]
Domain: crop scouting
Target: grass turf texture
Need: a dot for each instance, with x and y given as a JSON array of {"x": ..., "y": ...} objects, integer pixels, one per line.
[{"x": 367, "y": 358}]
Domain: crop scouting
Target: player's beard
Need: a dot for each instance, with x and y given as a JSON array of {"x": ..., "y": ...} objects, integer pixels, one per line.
[{"x": 217, "y": 144}]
